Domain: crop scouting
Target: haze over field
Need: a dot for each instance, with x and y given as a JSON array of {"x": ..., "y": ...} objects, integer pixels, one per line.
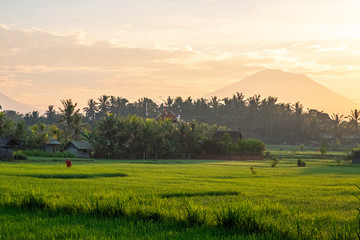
[{"x": 53, "y": 50}]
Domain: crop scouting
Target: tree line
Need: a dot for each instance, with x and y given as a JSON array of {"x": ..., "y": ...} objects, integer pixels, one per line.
[
  {"x": 132, "y": 136},
  {"x": 256, "y": 117}
]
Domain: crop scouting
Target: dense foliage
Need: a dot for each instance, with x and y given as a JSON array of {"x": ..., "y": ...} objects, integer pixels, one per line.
[
  {"x": 119, "y": 128},
  {"x": 136, "y": 137}
]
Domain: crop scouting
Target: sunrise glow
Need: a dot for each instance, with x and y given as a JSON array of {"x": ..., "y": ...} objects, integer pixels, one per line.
[{"x": 82, "y": 49}]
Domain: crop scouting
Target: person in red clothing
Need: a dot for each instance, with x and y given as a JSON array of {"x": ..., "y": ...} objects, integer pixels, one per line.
[{"x": 68, "y": 162}]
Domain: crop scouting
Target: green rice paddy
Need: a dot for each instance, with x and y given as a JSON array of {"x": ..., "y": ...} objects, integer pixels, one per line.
[{"x": 178, "y": 199}]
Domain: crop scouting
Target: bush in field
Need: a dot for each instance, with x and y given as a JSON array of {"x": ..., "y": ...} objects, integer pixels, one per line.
[
  {"x": 19, "y": 156},
  {"x": 302, "y": 147},
  {"x": 323, "y": 150},
  {"x": 250, "y": 146},
  {"x": 274, "y": 161},
  {"x": 301, "y": 163}
]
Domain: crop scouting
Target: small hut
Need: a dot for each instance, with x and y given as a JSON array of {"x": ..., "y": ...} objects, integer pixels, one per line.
[
  {"x": 52, "y": 146},
  {"x": 82, "y": 149},
  {"x": 7, "y": 147},
  {"x": 235, "y": 135}
]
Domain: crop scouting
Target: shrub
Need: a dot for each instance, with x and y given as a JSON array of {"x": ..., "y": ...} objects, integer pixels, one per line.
[
  {"x": 323, "y": 150},
  {"x": 20, "y": 155},
  {"x": 301, "y": 163},
  {"x": 250, "y": 146},
  {"x": 274, "y": 161},
  {"x": 302, "y": 147}
]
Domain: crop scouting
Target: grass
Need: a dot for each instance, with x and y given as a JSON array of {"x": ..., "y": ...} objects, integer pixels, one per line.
[{"x": 178, "y": 199}]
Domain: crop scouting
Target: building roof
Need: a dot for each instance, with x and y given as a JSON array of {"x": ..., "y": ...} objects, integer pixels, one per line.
[
  {"x": 53, "y": 142},
  {"x": 168, "y": 115},
  {"x": 234, "y": 134},
  {"x": 81, "y": 145},
  {"x": 8, "y": 143}
]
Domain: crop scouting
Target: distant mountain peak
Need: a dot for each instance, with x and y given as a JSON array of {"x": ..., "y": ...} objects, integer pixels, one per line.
[
  {"x": 10, "y": 104},
  {"x": 289, "y": 87}
]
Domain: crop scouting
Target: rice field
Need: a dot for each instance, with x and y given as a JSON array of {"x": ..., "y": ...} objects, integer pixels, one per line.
[{"x": 178, "y": 199}]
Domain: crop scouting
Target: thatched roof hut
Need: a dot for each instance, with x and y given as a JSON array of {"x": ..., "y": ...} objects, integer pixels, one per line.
[
  {"x": 52, "y": 146},
  {"x": 81, "y": 149},
  {"x": 7, "y": 146}
]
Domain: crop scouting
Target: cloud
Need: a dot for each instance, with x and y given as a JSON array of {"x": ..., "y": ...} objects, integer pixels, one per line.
[
  {"x": 43, "y": 67},
  {"x": 333, "y": 49}
]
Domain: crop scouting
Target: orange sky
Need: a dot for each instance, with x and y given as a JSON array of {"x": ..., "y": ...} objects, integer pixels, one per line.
[{"x": 52, "y": 50}]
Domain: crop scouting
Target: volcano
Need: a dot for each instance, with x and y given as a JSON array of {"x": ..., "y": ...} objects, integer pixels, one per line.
[{"x": 289, "y": 88}]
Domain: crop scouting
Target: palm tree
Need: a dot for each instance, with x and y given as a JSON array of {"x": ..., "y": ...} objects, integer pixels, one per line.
[
  {"x": 103, "y": 105},
  {"x": 336, "y": 120},
  {"x": 32, "y": 118},
  {"x": 132, "y": 132},
  {"x": 78, "y": 126},
  {"x": 108, "y": 132},
  {"x": 253, "y": 110},
  {"x": 297, "y": 114},
  {"x": 51, "y": 115},
  {"x": 269, "y": 112},
  {"x": 169, "y": 102},
  {"x": 68, "y": 113},
  {"x": 90, "y": 111},
  {"x": 188, "y": 137},
  {"x": 214, "y": 105},
  {"x": 354, "y": 119},
  {"x": 150, "y": 130}
]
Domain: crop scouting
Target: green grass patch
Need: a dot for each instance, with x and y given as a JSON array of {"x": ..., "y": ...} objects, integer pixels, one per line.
[{"x": 180, "y": 199}]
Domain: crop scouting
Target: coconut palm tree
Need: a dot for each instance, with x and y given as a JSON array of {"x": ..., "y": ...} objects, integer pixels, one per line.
[
  {"x": 68, "y": 113},
  {"x": 51, "y": 115},
  {"x": 108, "y": 132},
  {"x": 103, "y": 105},
  {"x": 336, "y": 120},
  {"x": 252, "y": 113},
  {"x": 354, "y": 118},
  {"x": 90, "y": 111},
  {"x": 78, "y": 126}
]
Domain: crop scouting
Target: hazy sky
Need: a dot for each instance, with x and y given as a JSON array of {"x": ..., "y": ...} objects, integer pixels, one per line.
[{"x": 81, "y": 49}]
